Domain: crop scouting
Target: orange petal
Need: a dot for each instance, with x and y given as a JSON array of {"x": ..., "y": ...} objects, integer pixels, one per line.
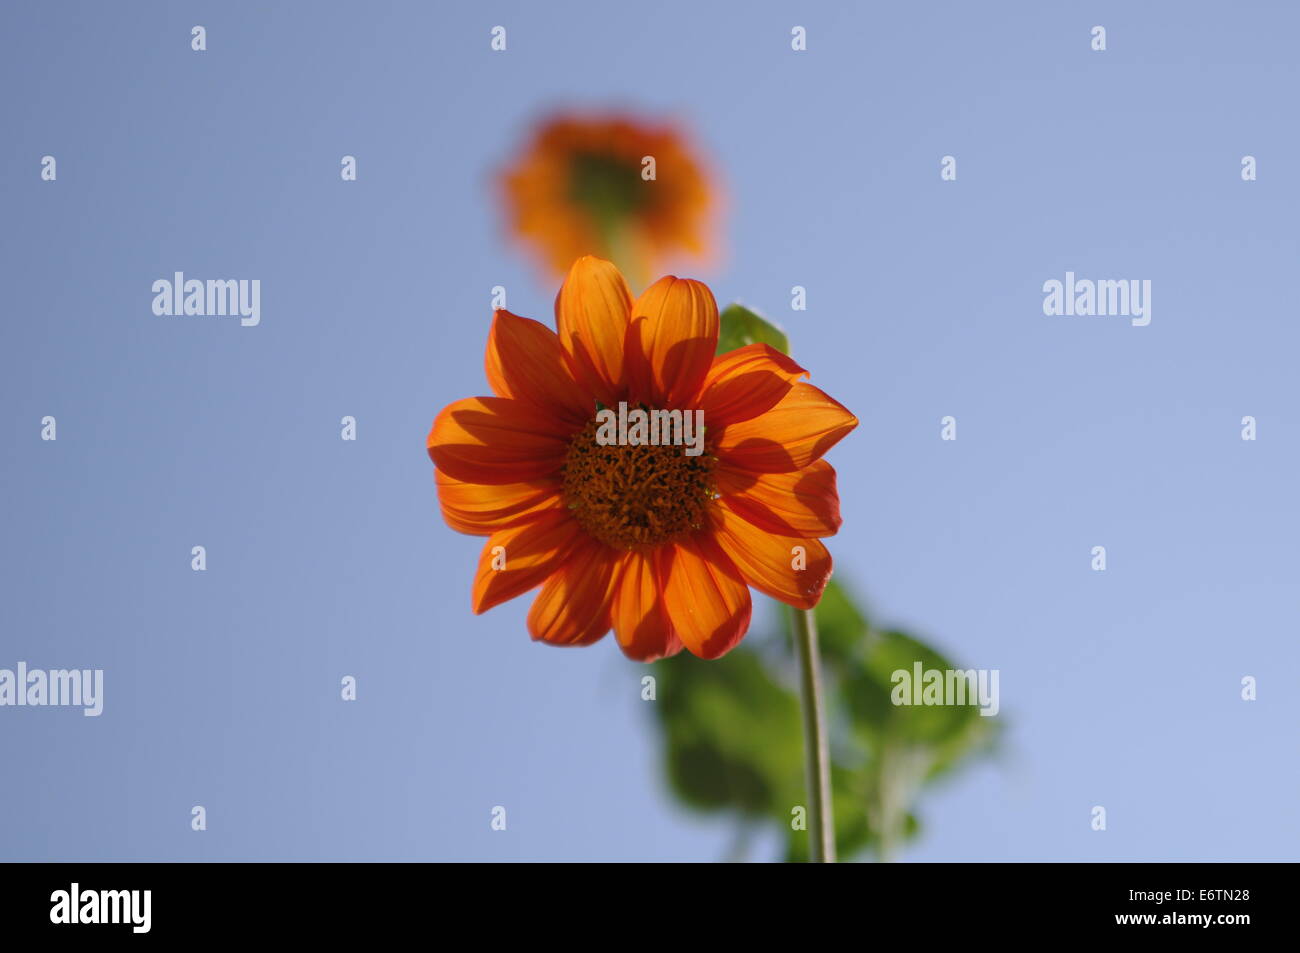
[
  {"x": 591, "y": 313},
  {"x": 496, "y": 440},
  {"x": 707, "y": 599},
  {"x": 801, "y": 503},
  {"x": 746, "y": 382},
  {"x": 573, "y": 607},
  {"x": 481, "y": 510},
  {"x": 641, "y": 621},
  {"x": 798, "y": 430},
  {"x": 525, "y": 361},
  {"x": 671, "y": 342},
  {"x": 521, "y": 557},
  {"x": 787, "y": 568}
]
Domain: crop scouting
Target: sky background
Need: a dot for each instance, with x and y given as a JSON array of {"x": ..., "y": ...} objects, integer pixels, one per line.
[{"x": 328, "y": 558}]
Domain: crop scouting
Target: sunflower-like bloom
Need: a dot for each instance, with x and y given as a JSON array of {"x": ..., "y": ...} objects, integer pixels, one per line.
[
  {"x": 655, "y": 542},
  {"x": 583, "y": 185}
]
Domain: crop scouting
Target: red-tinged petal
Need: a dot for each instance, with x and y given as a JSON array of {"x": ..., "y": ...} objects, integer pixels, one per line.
[
  {"x": 787, "y": 568},
  {"x": 671, "y": 341},
  {"x": 573, "y": 607},
  {"x": 481, "y": 509},
  {"x": 747, "y": 382},
  {"x": 707, "y": 599},
  {"x": 521, "y": 557},
  {"x": 801, "y": 503},
  {"x": 640, "y": 616},
  {"x": 797, "y": 431},
  {"x": 525, "y": 361},
  {"x": 592, "y": 312},
  {"x": 496, "y": 440}
]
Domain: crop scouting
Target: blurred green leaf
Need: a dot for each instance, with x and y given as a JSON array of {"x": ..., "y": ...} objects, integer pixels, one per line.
[
  {"x": 946, "y": 731},
  {"x": 733, "y": 733},
  {"x": 733, "y": 736},
  {"x": 741, "y": 326},
  {"x": 910, "y": 745}
]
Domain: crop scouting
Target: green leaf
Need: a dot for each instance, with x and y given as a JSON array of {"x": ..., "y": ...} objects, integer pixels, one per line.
[
  {"x": 733, "y": 736},
  {"x": 944, "y": 732},
  {"x": 732, "y": 732},
  {"x": 910, "y": 745},
  {"x": 741, "y": 326}
]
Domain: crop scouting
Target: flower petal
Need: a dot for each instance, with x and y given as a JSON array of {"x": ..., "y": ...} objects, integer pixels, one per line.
[
  {"x": 573, "y": 607},
  {"x": 496, "y": 440},
  {"x": 798, "y": 430},
  {"x": 707, "y": 599},
  {"x": 640, "y": 616},
  {"x": 801, "y": 503},
  {"x": 746, "y": 382},
  {"x": 521, "y": 557},
  {"x": 671, "y": 341},
  {"x": 525, "y": 361},
  {"x": 591, "y": 313},
  {"x": 787, "y": 568},
  {"x": 481, "y": 509}
]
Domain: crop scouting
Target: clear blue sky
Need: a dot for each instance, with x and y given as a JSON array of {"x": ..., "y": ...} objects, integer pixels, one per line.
[{"x": 328, "y": 558}]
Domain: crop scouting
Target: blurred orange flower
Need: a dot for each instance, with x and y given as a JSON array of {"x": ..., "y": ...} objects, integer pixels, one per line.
[
  {"x": 644, "y": 537},
  {"x": 611, "y": 186}
]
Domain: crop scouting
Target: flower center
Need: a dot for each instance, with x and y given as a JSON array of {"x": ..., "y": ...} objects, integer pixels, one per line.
[
  {"x": 637, "y": 495},
  {"x": 607, "y": 186}
]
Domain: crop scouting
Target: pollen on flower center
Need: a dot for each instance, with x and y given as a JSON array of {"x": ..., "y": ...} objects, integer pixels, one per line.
[{"x": 640, "y": 495}]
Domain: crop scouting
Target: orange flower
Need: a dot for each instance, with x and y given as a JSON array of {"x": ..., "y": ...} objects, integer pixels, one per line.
[
  {"x": 644, "y": 537},
  {"x": 581, "y": 187}
]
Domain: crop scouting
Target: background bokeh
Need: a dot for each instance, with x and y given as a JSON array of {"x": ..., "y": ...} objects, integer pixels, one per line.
[{"x": 328, "y": 558}]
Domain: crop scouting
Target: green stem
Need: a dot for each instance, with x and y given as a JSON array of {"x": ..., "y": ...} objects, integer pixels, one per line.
[
  {"x": 619, "y": 251},
  {"x": 821, "y": 824}
]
